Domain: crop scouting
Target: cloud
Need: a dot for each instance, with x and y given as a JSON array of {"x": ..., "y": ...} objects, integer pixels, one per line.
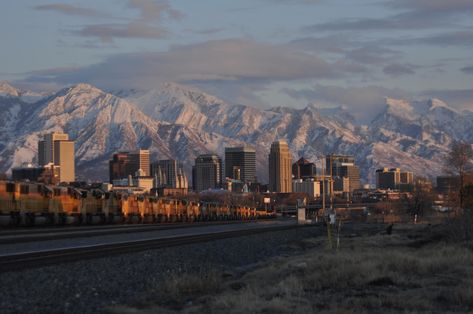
[
  {"x": 333, "y": 44},
  {"x": 154, "y": 10},
  {"x": 413, "y": 15},
  {"x": 397, "y": 22},
  {"x": 107, "y": 32},
  {"x": 233, "y": 60},
  {"x": 372, "y": 54},
  {"x": 458, "y": 38},
  {"x": 467, "y": 69},
  {"x": 206, "y": 31},
  {"x": 69, "y": 9},
  {"x": 433, "y": 7},
  {"x": 147, "y": 26},
  {"x": 296, "y": 1},
  {"x": 398, "y": 69}
]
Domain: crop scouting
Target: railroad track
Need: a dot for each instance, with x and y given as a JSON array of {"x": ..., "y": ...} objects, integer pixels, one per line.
[
  {"x": 24, "y": 260},
  {"x": 22, "y": 236}
]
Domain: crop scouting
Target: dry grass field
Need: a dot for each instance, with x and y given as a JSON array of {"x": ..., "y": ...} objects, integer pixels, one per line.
[{"x": 416, "y": 269}]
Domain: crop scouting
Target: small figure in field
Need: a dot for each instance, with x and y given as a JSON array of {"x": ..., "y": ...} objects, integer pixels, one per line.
[{"x": 389, "y": 229}]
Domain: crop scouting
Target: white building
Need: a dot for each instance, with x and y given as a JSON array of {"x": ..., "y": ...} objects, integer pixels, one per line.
[{"x": 311, "y": 187}]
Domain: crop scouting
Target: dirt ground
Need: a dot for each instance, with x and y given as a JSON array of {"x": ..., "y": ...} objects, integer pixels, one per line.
[{"x": 416, "y": 269}]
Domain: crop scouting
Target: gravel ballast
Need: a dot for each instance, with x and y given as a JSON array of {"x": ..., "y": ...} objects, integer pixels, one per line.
[{"x": 92, "y": 286}]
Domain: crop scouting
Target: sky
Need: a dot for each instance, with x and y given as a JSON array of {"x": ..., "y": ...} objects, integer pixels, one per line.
[{"x": 263, "y": 53}]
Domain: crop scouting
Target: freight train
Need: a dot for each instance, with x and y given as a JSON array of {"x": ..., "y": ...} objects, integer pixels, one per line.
[{"x": 30, "y": 203}]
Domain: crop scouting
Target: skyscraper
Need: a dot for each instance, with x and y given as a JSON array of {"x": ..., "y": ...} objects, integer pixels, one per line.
[
  {"x": 46, "y": 147},
  {"x": 388, "y": 178},
  {"x": 56, "y": 148},
  {"x": 64, "y": 158},
  {"x": 124, "y": 164},
  {"x": 139, "y": 159},
  {"x": 207, "y": 172},
  {"x": 303, "y": 169},
  {"x": 280, "y": 167},
  {"x": 240, "y": 161},
  {"x": 407, "y": 177},
  {"x": 172, "y": 171},
  {"x": 344, "y": 166}
]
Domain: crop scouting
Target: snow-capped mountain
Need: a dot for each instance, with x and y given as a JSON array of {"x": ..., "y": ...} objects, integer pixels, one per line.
[
  {"x": 7, "y": 90},
  {"x": 175, "y": 121}
]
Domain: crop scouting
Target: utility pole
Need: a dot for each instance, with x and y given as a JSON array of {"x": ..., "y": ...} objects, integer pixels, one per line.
[
  {"x": 331, "y": 178},
  {"x": 323, "y": 186}
]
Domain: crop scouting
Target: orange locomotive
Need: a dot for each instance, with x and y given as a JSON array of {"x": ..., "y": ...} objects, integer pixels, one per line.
[{"x": 28, "y": 203}]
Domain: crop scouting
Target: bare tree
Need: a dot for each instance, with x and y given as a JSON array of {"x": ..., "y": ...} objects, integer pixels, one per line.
[
  {"x": 422, "y": 197},
  {"x": 458, "y": 163}
]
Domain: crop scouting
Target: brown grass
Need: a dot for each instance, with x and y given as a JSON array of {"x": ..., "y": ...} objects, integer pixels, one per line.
[{"x": 373, "y": 274}]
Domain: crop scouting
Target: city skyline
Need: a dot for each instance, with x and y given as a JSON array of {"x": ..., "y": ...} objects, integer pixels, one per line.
[
  {"x": 334, "y": 53},
  {"x": 251, "y": 156}
]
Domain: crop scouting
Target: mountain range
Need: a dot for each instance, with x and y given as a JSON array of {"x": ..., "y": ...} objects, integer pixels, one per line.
[{"x": 181, "y": 122}]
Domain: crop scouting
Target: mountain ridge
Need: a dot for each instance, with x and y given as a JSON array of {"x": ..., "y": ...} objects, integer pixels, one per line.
[{"x": 180, "y": 122}]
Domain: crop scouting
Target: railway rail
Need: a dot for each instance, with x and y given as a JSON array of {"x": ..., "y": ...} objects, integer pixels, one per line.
[
  {"x": 29, "y": 235},
  {"x": 41, "y": 258}
]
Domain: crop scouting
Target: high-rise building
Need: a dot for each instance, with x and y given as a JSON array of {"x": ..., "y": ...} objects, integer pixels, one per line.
[
  {"x": 139, "y": 159},
  {"x": 172, "y": 171},
  {"x": 46, "y": 147},
  {"x": 42, "y": 153},
  {"x": 240, "y": 161},
  {"x": 304, "y": 169},
  {"x": 388, "y": 179},
  {"x": 407, "y": 177},
  {"x": 125, "y": 164},
  {"x": 280, "y": 167},
  {"x": 119, "y": 166},
  {"x": 64, "y": 158},
  {"x": 343, "y": 166},
  {"x": 57, "y": 149},
  {"x": 207, "y": 172}
]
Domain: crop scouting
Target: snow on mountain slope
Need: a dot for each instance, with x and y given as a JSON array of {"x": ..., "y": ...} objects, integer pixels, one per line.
[
  {"x": 7, "y": 90},
  {"x": 175, "y": 121},
  {"x": 100, "y": 124},
  {"x": 178, "y": 104}
]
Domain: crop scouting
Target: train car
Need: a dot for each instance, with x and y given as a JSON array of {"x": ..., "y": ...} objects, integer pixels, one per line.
[
  {"x": 64, "y": 204},
  {"x": 28, "y": 203},
  {"x": 112, "y": 208},
  {"x": 8, "y": 211},
  {"x": 24, "y": 203}
]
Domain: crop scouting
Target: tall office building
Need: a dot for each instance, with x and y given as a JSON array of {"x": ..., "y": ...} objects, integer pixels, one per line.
[
  {"x": 64, "y": 158},
  {"x": 119, "y": 166},
  {"x": 46, "y": 147},
  {"x": 42, "y": 153},
  {"x": 207, "y": 172},
  {"x": 57, "y": 149},
  {"x": 343, "y": 166},
  {"x": 240, "y": 161},
  {"x": 139, "y": 159},
  {"x": 303, "y": 169},
  {"x": 124, "y": 164},
  {"x": 388, "y": 179},
  {"x": 280, "y": 167},
  {"x": 407, "y": 177},
  {"x": 172, "y": 171}
]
